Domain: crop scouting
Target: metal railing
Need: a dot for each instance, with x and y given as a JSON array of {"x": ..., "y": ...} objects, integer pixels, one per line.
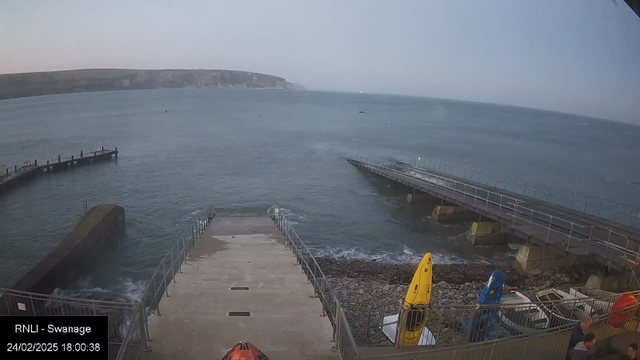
[
  {"x": 126, "y": 321},
  {"x": 344, "y": 341},
  {"x": 171, "y": 263},
  {"x": 545, "y": 345},
  {"x": 451, "y": 324},
  {"x": 591, "y": 204},
  {"x": 608, "y": 244}
]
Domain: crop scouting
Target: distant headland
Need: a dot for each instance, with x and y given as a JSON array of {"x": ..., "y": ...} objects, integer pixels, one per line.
[{"x": 85, "y": 80}]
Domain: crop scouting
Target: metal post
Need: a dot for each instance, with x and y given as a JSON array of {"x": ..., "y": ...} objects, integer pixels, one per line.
[
  {"x": 608, "y": 242},
  {"x": 524, "y": 351},
  {"x": 184, "y": 248},
  {"x": 35, "y": 162},
  {"x": 549, "y": 228},
  {"x": 58, "y": 157},
  {"x": 155, "y": 296},
  {"x": 600, "y": 207},
  {"x": 590, "y": 238},
  {"x": 487, "y": 202},
  {"x": 81, "y": 153},
  {"x": 164, "y": 278},
  {"x": 464, "y": 194},
  {"x": 172, "y": 274},
  {"x": 570, "y": 233}
]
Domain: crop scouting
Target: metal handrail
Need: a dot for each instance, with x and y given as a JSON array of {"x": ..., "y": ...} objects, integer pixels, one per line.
[
  {"x": 523, "y": 319},
  {"x": 494, "y": 348},
  {"x": 580, "y": 198},
  {"x": 331, "y": 307},
  {"x": 126, "y": 330},
  {"x": 171, "y": 263},
  {"x": 515, "y": 207}
]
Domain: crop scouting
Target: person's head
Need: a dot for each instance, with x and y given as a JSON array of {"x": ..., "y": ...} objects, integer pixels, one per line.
[
  {"x": 589, "y": 340},
  {"x": 632, "y": 351},
  {"x": 586, "y": 323}
]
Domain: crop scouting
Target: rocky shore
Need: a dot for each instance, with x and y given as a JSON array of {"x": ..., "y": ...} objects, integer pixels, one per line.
[{"x": 369, "y": 290}]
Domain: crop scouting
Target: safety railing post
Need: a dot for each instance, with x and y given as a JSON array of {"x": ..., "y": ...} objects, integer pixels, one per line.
[
  {"x": 184, "y": 249},
  {"x": 155, "y": 296},
  {"x": 172, "y": 274},
  {"x": 524, "y": 351},
  {"x": 464, "y": 194},
  {"x": 570, "y": 234},
  {"x": 590, "y": 239},
  {"x": 164, "y": 279},
  {"x": 475, "y": 197}
]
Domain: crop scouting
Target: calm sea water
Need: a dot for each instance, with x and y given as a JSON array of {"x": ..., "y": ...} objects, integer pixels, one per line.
[{"x": 244, "y": 151}]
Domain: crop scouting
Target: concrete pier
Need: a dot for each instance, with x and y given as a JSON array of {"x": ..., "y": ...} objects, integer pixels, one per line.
[
  {"x": 533, "y": 258},
  {"x": 451, "y": 213},
  {"x": 241, "y": 283},
  {"x": 487, "y": 233}
]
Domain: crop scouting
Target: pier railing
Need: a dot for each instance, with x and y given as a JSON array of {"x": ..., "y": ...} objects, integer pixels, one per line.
[
  {"x": 171, "y": 263},
  {"x": 550, "y": 344},
  {"x": 449, "y": 324},
  {"x": 126, "y": 332},
  {"x": 591, "y": 204},
  {"x": 609, "y": 245},
  {"x": 344, "y": 341}
]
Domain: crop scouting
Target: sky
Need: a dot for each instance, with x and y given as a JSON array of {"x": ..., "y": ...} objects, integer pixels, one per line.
[{"x": 574, "y": 56}]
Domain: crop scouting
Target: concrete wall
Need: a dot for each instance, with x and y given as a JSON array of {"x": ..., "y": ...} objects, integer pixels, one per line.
[{"x": 92, "y": 234}]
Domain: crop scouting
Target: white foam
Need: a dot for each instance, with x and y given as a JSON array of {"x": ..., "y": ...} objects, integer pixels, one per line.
[
  {"x": 125, "y": 290},
  {"x": 191, "y": 215},
  {"x": 406, "y": 256}
]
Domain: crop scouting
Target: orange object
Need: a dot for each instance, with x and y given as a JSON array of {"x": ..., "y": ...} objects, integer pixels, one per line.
[
  {"x": 245, "y": 350},
  {"x": 623, "y": 310}
]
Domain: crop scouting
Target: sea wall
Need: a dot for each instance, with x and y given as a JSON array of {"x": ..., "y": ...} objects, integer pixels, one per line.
[{"x": 94, "y": 232}]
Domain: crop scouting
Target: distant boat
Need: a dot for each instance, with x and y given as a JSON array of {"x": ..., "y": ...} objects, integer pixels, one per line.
[
  {"x": 562, "y": 312},
  {"x": 522, "y": 319},
  {"x": 360, "y": 91}
]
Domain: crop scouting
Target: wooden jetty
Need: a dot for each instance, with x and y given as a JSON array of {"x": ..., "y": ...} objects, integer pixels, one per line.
[{"x": 10, "y": 178}]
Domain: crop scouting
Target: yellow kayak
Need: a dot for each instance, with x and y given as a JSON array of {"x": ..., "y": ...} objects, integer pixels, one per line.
[{"x": 418, "y": 297}]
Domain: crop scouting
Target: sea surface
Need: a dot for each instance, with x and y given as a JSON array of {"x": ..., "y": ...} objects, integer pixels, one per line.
[{"x": 245, "y": 151}]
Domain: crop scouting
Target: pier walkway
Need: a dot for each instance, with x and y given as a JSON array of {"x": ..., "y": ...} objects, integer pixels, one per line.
[
  {"x": 240, "y": 283},
  {"x": 564, "y": 230},
  {"x": 11, "y": 177}
]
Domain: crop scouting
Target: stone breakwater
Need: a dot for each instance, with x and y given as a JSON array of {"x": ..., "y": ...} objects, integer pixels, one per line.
[{"x": 365, "y": 285}]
